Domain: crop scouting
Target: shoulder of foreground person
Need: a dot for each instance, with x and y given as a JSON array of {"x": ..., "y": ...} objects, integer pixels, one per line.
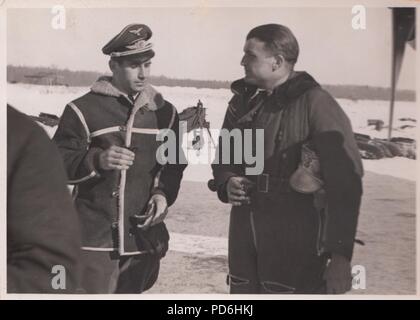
[{"x": 42, "y": 225}]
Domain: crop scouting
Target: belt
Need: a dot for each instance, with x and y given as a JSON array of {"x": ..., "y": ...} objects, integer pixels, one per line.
[{"x": 266, "y": 183}]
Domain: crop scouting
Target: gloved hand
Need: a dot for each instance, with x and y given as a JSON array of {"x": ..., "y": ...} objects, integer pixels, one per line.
[{"x": 156, "y": 212}]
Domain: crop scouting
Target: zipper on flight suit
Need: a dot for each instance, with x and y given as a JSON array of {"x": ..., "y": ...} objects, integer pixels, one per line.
[
  {"x": 321, "y": 228},
  {"x": 254, "y": 233}
]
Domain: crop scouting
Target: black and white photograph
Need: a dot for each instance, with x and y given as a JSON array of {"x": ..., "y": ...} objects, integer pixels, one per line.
[{"x": 211, "y": 148}]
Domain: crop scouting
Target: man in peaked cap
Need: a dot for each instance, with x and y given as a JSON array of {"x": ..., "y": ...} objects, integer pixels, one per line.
[{"x": 108, "y": 141}]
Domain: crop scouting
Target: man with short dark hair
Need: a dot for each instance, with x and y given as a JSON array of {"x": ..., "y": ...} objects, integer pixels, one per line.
[
  {"x": 108, "y": 141},
  {"x": 292, "y": 227}
]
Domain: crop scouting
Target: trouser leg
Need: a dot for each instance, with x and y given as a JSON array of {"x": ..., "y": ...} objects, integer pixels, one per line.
[
  {"x": 110, "y": 273},
  {"x": 97, "y": 271},
  {"x": 137, "y": 273},
  {"x": 288, "y": 260},
  {"x": 313, "y": 284},
  {"x": 243, "y": 273}
]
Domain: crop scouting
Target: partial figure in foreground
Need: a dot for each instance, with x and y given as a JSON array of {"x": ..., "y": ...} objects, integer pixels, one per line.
[
  {"x": 292, "y": 227},
  {"x": 43, "y": 232},
  {"x": 108, "y": 141}
]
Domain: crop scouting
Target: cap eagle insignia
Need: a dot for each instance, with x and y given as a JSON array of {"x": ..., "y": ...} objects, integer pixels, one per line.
[{"x": 136, "y": 32}]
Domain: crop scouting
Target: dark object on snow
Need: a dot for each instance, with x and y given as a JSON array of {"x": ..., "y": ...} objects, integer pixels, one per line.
[
  {"x": 407, "y": 119},
  {"x": 196, "y": 120},
  {"x": 407, "y": 126},
  {"x": 48, "y": 119},
  {"x": 379, "y": 124},
  {"x": 195, "y": 117},
  {"x": 360, "y": 136},
  {"x": 405, "y": 140},
  {"x": 380, "y": 148},
  {"x": 49, "y": 116},
  {"x": 370, "y": 150},
  {"x": 393, "y": 148},
  {"x": 408, "y": 146}
]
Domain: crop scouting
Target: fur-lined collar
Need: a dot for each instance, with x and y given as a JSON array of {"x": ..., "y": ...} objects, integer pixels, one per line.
[
  {"x": 148, "y": 97},
  {"x": 296, "y": 85}
]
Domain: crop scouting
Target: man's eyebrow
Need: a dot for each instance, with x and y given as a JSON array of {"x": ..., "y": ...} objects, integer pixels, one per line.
[
  {"x": 145, "y": 62},
  {"x": 131, "y": 62},
  {"x": 139, "y": 61},
  {"x": 249, "y": 51}
]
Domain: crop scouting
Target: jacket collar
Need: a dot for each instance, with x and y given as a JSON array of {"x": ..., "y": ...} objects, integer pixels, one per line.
[
  {"x": 240, "y": 87},
  {"x": 297, "y": 84},
  {"x": 148, "y": 97}
]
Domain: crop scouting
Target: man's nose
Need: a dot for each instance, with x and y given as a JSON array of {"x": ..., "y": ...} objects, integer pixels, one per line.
[
  {"x": 243, "y": 61},
  {"x": 141, "y": 73}
]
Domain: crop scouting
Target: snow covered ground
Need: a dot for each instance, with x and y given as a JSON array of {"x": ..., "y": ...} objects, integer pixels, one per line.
[
  {"x": 32, "y": 100},
  {"x": 197, "y": 262}
]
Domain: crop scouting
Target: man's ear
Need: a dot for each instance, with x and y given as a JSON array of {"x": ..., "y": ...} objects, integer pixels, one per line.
[
  {"x": 279, "y": 61},
  {"x": 111, "y": 64}
]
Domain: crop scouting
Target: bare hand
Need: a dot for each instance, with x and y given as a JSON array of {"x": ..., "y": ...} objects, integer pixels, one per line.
[
  {"x": 156, "y": 211},
  {"x": 338, "y": 275},
  {"x": 116, "y": 158},
  {"x": 236, "y": 189}
]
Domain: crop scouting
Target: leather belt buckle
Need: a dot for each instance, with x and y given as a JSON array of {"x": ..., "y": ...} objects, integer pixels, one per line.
[{"x": 262, "y": 182}]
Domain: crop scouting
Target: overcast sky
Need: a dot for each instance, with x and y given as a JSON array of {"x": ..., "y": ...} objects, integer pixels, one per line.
[{"x": 207, "y": 43}]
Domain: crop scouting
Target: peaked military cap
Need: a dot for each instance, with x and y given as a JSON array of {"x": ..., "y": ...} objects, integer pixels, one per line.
[{"x": 132, "y": 40}]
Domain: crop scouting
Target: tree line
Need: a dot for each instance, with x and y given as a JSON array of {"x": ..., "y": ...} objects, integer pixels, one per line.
[{"x": 65, "y": 77}]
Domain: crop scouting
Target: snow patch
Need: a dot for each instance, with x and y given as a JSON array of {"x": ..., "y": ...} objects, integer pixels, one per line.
[{"x": 33, "y": 99}]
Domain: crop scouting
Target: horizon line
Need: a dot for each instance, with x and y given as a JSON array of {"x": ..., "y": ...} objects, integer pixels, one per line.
[{"x": 202, "y": 80}]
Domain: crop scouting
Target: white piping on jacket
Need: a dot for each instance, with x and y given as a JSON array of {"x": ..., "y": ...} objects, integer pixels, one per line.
[
  {"x": 112, "y": 250},
  {"x": 76, "y": 181},
  {"x": 123, "y": 179},
  {"x": 85, "y": 126},
  {"x": 145, "y": 130},
  {"x": 82, "y": 119},
  {"x": 118, "y": 128},
  {"x": 98, "y": 249},
  {"x": 105, "y": 130}
]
